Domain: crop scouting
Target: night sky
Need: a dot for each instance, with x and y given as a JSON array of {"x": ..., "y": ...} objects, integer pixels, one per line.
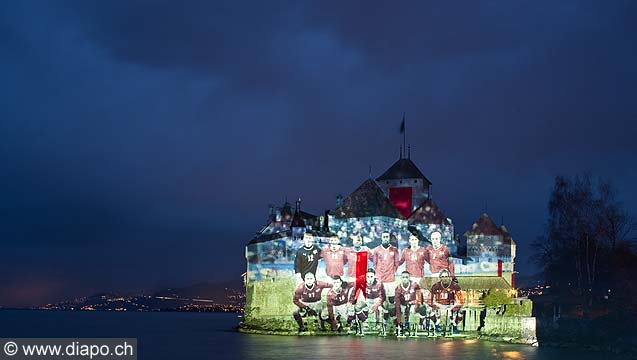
[{"x": 142, "y": 141}]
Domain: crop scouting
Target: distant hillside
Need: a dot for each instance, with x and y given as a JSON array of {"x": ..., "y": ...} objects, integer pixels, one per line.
[
  {"x": 202, "y": 297},
  {"x": 217, "y": 292}
]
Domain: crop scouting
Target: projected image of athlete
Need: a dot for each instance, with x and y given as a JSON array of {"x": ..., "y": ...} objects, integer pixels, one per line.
[
  {"x": 408, "y": 300},
  {"x": 307, "y": 258},
  {"x": 307, "y": 298},
  {"x": 446, "y": 301},
  {"x": 335, "y": 257},
  {"x": 414, "y": 257},
  {"x": 372, "y": 301},
  {"x": 351, "y": 253},
  {"x": 385, "y": 261},
  {"x": 340, "y": 303},
  {"x": 438, "y": 255}
]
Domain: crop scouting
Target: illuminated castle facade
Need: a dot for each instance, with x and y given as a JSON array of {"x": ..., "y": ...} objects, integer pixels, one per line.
[{"x": 398, "y": 201}]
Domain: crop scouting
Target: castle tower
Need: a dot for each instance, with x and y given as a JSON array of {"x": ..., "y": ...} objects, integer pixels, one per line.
[{"x": 405, "y": 186}]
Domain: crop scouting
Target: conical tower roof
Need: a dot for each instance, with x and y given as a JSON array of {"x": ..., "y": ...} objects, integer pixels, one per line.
[
  {"x": 428, "y": 213},
  {"x": 403, "y": 169},
  {"x": 367, "y": 200}
]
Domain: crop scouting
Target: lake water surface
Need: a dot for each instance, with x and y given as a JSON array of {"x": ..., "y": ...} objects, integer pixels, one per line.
[{"x": 188, "y": 336}]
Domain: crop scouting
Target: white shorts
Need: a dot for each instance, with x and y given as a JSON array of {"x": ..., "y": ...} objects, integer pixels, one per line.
[
  {"x": 317, "y": 306},
  {"x": 344, "y": 311},
  {"x": 390, "y": 288},
  {"x": 368, "y": 303},
  {"x": 445, "y": 310}
]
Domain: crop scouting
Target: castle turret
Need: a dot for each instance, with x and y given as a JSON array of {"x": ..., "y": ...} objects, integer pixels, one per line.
[
  {"x": 492, "y": 247},
  {"x": 298, "y": 225}
]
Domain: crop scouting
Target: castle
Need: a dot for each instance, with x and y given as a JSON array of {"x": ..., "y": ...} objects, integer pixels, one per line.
[{"x": 399, "y": 202}]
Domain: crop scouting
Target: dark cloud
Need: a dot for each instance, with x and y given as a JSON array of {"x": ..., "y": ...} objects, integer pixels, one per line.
[
  {"x": 236, "y": 43},
  {"x": 139, "y": 138}
]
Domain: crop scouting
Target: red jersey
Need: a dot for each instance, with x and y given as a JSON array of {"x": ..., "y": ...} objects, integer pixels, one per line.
[
  {"x": 334, "y": 261},
  {"x": 339, "y": 298},
  {"x": 303, "y": 294},
  {"x": 449, "y": 295},
  {"x": 438, "y": 259},
  {"x": 405, "y": 296},
  {"x": 412, "y": 294},
  {"x": 375, "y": 291},
  {"x": 350, "y": 252},
  {"x": 415, "y": 260},
  {"x": 385, "y": 263}
]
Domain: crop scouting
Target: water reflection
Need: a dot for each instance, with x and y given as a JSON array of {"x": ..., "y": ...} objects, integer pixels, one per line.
[
  {"x": 186, "y": 336},
  {"x": 342, "y": 347},
  {"x": 512, "y": 355}
]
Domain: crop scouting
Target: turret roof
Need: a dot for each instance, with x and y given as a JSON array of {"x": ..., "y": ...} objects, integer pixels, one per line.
[
  {"x": 428, "y": 213},
  {"x": 485, "y": 226}
]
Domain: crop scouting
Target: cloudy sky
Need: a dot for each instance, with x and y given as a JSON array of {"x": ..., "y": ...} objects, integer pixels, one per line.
[{"x": 141, "y": 141}]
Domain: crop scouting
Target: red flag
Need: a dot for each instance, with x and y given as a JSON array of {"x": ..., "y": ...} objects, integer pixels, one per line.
[
  {"x": 361, "y": 272},
  {"x": 499, "y": 268},
  {"x": 400, "y": 197}
]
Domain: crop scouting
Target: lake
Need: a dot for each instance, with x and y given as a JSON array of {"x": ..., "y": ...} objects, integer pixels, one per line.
[{"x": 186, "y": 336}]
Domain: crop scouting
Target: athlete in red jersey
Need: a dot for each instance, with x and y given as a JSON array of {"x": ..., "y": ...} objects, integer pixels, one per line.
[
  {"x": 385, "y": 259},
  {"x": 414, "y": 256},
  {"x": 340, "y": 303},
  {"x": 335, "y": 257},
  {"x": 351, "y": 252},
  {"x": 438, "y": 256},
  {"x": 307, "y": 297},
  {"x": 446, "y": 300},
  {"x": 408, "y": 297},
  {"x": 374, "y": 298}
]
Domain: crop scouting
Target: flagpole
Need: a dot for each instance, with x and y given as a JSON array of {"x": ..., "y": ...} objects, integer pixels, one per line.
[{"x": 404, "y": 132}]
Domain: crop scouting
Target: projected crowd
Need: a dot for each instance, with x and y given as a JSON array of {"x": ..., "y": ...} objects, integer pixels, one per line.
[{"x": 365, "y": 292}]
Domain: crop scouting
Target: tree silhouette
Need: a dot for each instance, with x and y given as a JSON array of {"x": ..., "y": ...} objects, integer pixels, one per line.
[{"x": 586, "y": 244}]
